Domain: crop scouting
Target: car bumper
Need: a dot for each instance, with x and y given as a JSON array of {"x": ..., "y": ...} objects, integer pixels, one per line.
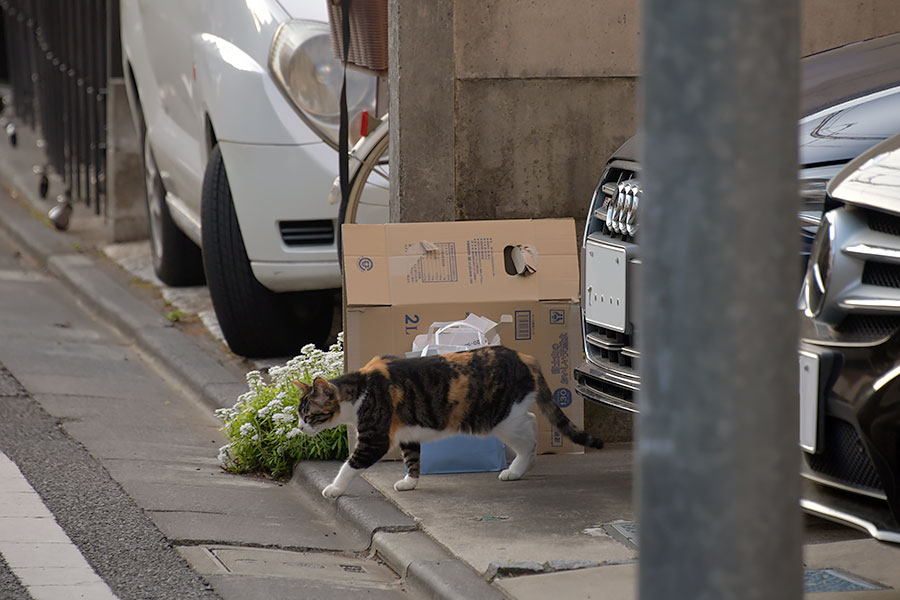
[
  {"x": 297, "y": 276},
  {"x": 617, "y": 390},
  {"x": 860, "y": 512},
  {"x": 856, "y": 417},
  {"x": 280, "y": 197}
]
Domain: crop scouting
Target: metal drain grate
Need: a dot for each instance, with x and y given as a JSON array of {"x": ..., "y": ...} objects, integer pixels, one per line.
[
  {"x": 625, "y": 532},
  {"x": 830, "y": 580},
  {"x": 353, "y": 568},
  {"x": 814, "y": 580}
]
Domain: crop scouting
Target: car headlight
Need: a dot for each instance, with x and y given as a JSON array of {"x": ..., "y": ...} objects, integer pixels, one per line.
[{"x": 304, "y": 67}]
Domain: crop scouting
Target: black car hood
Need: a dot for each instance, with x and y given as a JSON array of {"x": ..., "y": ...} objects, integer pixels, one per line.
[
  {"x": 850, "y": 101},
  {"x": 630, "y": 150},
  {"x": 845, "y": 132}
]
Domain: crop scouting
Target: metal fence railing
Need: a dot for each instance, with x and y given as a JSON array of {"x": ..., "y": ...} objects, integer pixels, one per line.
[{"x": 61, "y": 55}]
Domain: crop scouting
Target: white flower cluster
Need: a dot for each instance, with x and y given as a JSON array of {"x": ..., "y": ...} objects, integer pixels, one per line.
[
  {"x": 229, "y": 414},
  {"x": 283, "y": 418},
  {"x": 246, "y": 420},
  {"x": 274, "y": 405},
  {"x": 311, "y": 363}
]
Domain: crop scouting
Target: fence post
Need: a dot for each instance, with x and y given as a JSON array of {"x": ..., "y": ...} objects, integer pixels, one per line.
[
  {"x": 718, "y": 483},
  {"x": 126, "y": 213}
]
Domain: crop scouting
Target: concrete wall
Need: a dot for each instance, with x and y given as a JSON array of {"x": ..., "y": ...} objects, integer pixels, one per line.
[
  {"x": 544, "y": 92},
  {"x": 830, "y": 23},
  {"x": 421, "y": 81},
  {"x": 520, "y": 120}
]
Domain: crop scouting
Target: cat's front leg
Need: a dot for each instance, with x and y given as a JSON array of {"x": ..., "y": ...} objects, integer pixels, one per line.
[
  {"x": 341, "y": 481},
  {"x": 367, "y": 452}
]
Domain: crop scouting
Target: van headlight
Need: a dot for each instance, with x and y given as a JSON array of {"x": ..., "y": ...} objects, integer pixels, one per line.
[{"x": 304, "y": 67}]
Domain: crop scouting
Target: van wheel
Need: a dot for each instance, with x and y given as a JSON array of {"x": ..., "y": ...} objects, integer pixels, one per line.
[
  {"x": 176, "y": 258},
  {"x": 255, "y": 321}
]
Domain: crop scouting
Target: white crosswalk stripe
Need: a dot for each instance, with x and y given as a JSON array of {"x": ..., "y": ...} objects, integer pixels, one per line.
[{"x": 37, "y": 549}]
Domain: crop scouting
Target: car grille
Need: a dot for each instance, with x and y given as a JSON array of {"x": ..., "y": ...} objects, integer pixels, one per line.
[
  {"x": 884, "y": 222},
  {"x": 864, "y": 328},
  {"x": 607, "y": 390},
  {"x": 307, "y": 233},
  {"x": 598, "y": 226},
  {"x": 862, "y": 306},
  {"x": 881, "y": 274},
  {"x": 611, "y": 348},
  {"x": 612, "y": 351},
  {"x": 845, "y": 459},
  {"x": 876, "y": 327}
]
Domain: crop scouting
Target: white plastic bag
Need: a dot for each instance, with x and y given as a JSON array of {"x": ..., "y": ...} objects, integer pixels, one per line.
[{"x": 455, "y": 336}]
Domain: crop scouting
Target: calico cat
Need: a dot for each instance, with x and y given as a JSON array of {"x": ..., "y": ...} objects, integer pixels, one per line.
[{"x": 405, "y": 401}]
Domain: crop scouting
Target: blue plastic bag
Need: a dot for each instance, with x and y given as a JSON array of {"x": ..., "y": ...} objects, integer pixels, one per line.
[{"x": 463, "y": 454}]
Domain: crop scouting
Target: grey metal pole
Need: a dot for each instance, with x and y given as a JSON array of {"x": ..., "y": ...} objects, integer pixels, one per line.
[{"x": 718, "y": 483}]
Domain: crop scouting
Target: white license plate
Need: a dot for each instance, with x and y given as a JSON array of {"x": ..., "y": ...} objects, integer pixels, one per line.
[
  {"x": 605, "y": 283},
  {"x": 809, "y": 400}
]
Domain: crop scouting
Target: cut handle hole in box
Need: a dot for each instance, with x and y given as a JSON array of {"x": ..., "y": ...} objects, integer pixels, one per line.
[{"x": 518, "y": 260}]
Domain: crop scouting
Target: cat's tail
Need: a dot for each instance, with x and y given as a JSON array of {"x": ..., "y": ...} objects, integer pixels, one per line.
[{"x": 558, "y": 418}]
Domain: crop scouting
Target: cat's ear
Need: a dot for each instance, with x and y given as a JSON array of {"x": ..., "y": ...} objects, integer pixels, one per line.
[
  {"x": 304, "y": 389},
  {"x": 322, "y": 387}
]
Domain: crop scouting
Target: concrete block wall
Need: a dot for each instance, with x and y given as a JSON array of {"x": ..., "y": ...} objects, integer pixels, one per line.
[
  {"x": 520, "y": 120},
  {"x": 544, "y": 92},
  {"x": 830, "y": 23}
]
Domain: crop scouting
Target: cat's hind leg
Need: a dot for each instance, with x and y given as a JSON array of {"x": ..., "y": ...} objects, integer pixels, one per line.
[
  {"x": 411, "y": 452},
  {"x": 519, "y": 432}
]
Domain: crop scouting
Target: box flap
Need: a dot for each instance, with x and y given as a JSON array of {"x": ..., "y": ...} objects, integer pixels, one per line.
[
  {"x": 460, "y": 261},
  {"x": 365, "y": 265}
]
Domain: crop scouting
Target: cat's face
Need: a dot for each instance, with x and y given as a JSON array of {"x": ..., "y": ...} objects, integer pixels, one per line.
[{"x": 319, "y": 406}]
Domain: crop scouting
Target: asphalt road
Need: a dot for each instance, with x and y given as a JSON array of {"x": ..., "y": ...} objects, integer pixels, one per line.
[
  {"x": 112, "y": 532},
  {"x": 126, "y": 463}
]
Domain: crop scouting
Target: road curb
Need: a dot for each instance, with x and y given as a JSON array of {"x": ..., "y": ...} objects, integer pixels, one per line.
[{"x": 397, "y": 538}]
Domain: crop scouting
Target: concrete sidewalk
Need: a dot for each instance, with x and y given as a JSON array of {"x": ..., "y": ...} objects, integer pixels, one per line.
[{"x": 566, "y": 530}]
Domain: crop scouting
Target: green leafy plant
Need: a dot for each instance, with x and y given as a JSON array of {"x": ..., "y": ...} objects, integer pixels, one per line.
[
  {"x": 175, "y": 315},
  {"x": 262, "y": 425}
]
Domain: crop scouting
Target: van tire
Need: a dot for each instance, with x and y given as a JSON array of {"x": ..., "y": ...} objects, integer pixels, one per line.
[
  {"x": 256, "y": 322},
  {"x": 177, "y": 261}
]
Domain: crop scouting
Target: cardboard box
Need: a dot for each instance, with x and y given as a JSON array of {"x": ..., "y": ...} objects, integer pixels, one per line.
[{"x": 400, "y": 278}]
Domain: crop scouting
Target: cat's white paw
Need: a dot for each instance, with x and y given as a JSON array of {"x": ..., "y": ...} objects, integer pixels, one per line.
[
  {"x": 406, "y": 484},
  {"x": 509, "y": 475},
  {"x": 332, "y": 491}
]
